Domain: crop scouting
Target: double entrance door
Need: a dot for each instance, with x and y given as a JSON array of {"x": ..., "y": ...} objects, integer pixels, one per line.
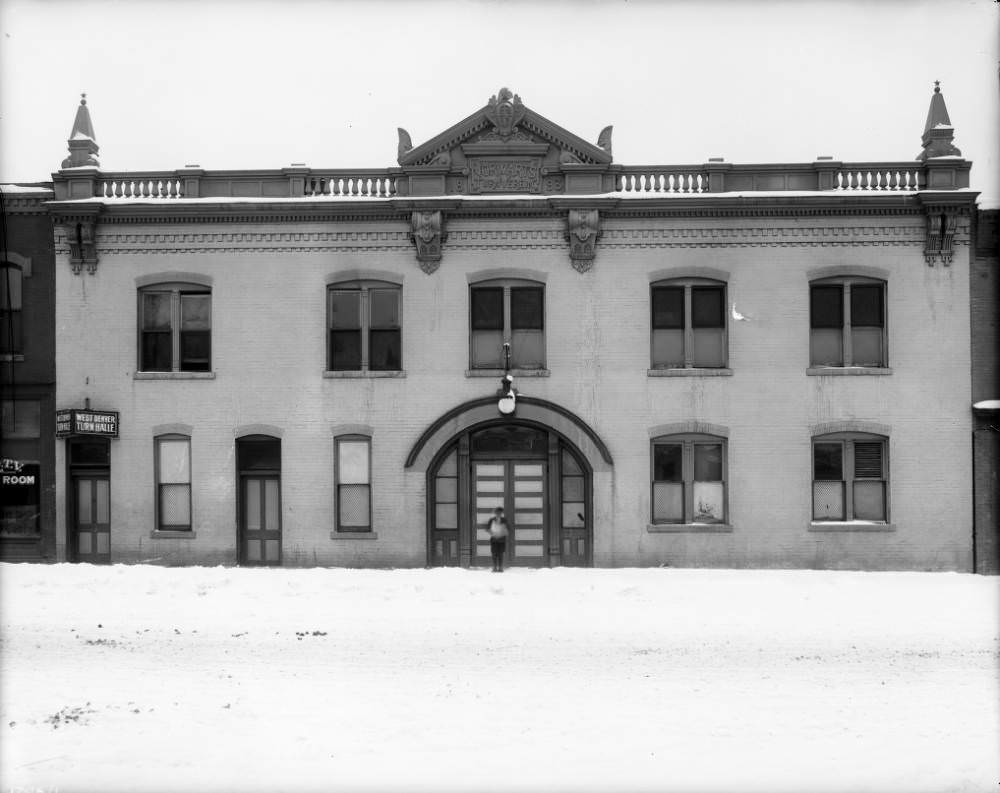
[{"x": 517, "y": 485}]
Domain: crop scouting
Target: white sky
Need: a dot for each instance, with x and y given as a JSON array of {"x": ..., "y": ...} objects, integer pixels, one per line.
[{"x": 229, "y": 84}]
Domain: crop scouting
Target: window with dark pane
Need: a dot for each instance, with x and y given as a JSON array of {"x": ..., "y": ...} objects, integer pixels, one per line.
[
  {"x": 487, "y": 308},
  {"x": 385, "y": 335},
  {"x": 688, "y": 325},
  {"x": 11, "y": 330},
  {"x": 157, "y": 332},
  {"x": 867, "y": 325},
  {"x": 345, "y": 329},
  {"x": 869, "y": 485},
  {"x": 668, "y": 483},
  {"x": 196, "y": 332},
  {"x": 708, "y": 501},
  {"x": 526, "y": 308}
]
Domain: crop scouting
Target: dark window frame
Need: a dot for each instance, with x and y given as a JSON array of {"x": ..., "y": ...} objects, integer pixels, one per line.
[
  {"x": 688, "y": 326},
  {"x": 688, "y": 442},
  {"x": 365, "y": 329},
  {"x": 176, "y": 292},
  {"x": 508, "y": 287},
  {"x": 846, "y": 285}
]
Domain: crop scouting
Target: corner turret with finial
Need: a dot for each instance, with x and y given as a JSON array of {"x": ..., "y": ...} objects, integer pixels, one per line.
[
  {"x": 83, "y": 146},
  {"x": 938, "y": 131}
]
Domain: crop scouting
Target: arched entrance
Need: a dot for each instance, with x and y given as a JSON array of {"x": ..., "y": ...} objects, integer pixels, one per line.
[{"x": 538, "y": 466}]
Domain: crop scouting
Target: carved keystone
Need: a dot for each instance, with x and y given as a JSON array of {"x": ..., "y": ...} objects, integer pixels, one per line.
[
  {"x": 428, "y": 236},
  {"x": 583, "y": 231}
]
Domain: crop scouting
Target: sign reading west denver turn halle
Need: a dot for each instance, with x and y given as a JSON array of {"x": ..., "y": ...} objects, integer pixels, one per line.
[{"x": 87, "y": 422}]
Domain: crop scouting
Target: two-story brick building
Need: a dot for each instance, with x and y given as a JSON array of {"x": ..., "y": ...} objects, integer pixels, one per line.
[{"x": 714, "y": 365}]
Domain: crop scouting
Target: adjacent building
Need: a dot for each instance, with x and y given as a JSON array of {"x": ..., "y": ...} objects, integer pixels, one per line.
[
  {"x": 719, "y": 365},
  {"x": 27, "y": 375}
]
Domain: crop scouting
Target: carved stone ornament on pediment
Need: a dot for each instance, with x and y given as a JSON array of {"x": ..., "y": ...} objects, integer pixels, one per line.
[
  {"x": 504, "y": 111},
  {"x": 583, "y": 231},
  {"x": 82, "y": 245},
  {"x": 428, "y": 237}
]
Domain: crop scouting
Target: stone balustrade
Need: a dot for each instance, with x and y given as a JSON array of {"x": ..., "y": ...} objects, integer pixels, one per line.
[{"x": 713, "y": 177}]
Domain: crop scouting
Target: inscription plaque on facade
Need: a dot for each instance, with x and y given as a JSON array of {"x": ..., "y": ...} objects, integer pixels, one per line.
[
  {"x": 507, "y": 175},
  {"x": 87, "y": 422}
]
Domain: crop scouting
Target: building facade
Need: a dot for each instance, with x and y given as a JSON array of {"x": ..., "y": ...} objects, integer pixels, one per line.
[
  {"x": 27, "y": 375},
  {"x": 985, "y": 311},
  {"x": 710, "y": 365}
]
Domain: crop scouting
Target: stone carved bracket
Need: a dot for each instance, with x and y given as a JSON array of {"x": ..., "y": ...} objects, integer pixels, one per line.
[
  {"x": 938, "y": 244},
  {"x": 428, "y": 235},
  {"x": 583, "y": 230},
  {"x": 80, "y": 236}
]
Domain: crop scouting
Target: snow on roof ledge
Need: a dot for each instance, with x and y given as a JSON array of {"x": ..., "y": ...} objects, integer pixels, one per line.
[
  {"x": 987, "y": 404},
  {"x": 24, "y": 188}
]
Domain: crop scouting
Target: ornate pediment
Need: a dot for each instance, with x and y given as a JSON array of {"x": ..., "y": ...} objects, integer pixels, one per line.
[{"x": 503, "y": 148}]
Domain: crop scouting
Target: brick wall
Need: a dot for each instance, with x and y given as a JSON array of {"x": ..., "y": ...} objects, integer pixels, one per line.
[{"x": 269, "y": 353}]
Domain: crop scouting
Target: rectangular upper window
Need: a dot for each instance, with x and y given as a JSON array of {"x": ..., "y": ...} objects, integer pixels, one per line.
[
  {"x": 847, "y": 323},
  {"x": 688, "y": 324},
  {"x": 512, "y": 313},
  {"x": 365, "y": 332},
  {"x": 175, "y": 328}
]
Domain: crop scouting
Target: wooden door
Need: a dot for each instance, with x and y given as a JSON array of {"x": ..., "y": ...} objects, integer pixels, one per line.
[
  {"x": 260, "y": 520},
  {"x": 92, "y": 519},
  {"x": 517, "y": 485}
]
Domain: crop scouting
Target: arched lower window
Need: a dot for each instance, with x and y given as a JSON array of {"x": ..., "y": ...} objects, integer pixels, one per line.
[
  {"x": 507, "y": 312},
  {"x": 364, "y": 328},
  {"x": 688, "y": 479},
  {"x": 847, "y": 322},
  {"x": 688, "y": 321},
  {"x": 175, "y": 328},
  {"x": 11, "y": 315},
  {"x": 173, "y": 483},
  {"x": 850, "y": 477}
]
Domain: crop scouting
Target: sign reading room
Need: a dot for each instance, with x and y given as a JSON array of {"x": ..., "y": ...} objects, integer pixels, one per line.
[{"x": 87, "y": 422}]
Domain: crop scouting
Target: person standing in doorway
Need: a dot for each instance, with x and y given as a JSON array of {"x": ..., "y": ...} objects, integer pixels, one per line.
[{"x": 499, "y": 530}]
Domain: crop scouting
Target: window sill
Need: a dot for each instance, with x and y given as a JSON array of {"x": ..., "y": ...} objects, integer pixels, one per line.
[
  {"x": 814, "y": 371},
  {"x": 694, "y": 371},
  {"x": 8, "y": 357},
  {"x": 180, "y": 535},
  {"x": 354, "y": 374},
  {"x": 501, "y": 372},
  {"x": 850, "y": 525},
  {"x": 173, "y": 376},
  {"x": 353, "y": 535},
  {"x": 689, "y": 528}
]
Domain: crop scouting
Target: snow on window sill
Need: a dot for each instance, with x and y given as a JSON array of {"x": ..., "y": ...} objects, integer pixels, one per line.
[
  {"x": 183, "y": 535},
  {"x": 694, "y": 371},
  {"x": 850, "y": 525},
  {"x": 353, "y": 535},
  {"x": 354, "y": 374},
  {"x": 501, "y": 372},
  {"x": 814, "y": 371},
  {"x": 173, "y": 376},
  {"x": 689, "y": 528}
]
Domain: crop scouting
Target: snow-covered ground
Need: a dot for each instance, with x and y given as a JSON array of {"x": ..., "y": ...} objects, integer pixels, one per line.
[{"x": 134, "y": 678}]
